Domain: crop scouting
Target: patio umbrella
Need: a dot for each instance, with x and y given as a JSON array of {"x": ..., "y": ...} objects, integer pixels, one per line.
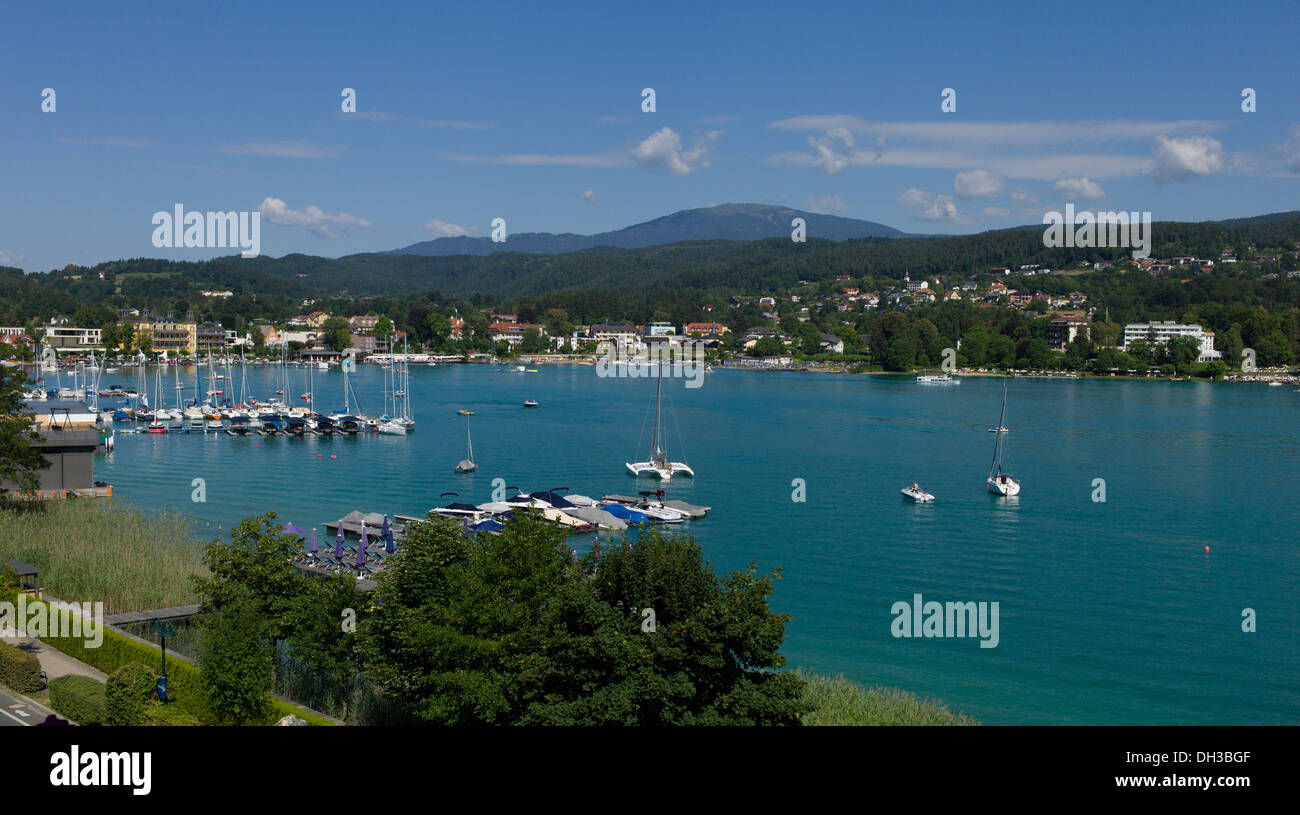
[
  {"x": 292, "y": 529},
  {"x": 313, "y": 546},
  {"x": 361, "y": 550},
  {"x": 390, "y": 545},
  {"x": 338, "y": 543}
]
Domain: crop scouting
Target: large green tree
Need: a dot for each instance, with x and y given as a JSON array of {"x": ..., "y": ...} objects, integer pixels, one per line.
[{"x": 513, "y": 629}]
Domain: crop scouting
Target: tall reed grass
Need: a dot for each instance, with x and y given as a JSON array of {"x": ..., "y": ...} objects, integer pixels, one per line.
[
  {"x": 92, "y": 550},
  {"x": 838, "y": 701}
]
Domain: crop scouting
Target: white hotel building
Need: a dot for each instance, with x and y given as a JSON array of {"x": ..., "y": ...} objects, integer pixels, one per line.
[{"x": 1164, "y": 331}]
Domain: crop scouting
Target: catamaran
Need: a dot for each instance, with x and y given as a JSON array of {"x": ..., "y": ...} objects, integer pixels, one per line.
[
  {"x": 659, "y": 466},
  {"x": 467, "y": 464},
  {"x": 999, "y": 482}
]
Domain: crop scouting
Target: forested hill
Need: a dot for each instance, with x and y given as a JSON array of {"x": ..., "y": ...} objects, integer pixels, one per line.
[
  {"x": 708, "y": 266},
  {"x": 732, "y": 222}
]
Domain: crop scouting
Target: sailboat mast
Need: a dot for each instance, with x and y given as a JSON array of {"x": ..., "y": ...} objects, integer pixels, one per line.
[{"x": 654, "y": 452}]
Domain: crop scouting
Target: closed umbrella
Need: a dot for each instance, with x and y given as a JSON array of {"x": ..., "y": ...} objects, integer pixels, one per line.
[
  {"x": 338, "y": 543},
  {"x": 389, "y": 544},
  {"x": 313, "y": 546}
]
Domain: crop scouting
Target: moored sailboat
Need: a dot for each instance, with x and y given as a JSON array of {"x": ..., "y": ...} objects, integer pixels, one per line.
[
  {"x": 999, "y": 482},
  {"x": 659, "y": 466}
]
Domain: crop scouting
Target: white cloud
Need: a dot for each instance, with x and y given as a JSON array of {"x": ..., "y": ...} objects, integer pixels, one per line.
[
  {"x": 977, "y": 184},
  {"x": 7, "y": 259},
  {"x": 927, "y": 206},
  {"x": 131, "y": 143},
  {"x": 1180, "y": 159},
  {"x": 1001, "y": 133},
  {"x": 997, "y": 212},
  {"x": 543, "y": 159},
  {"x": 714, "y": 120},
  {"x": 283, "y": 149},
  {"x": 589, "y": 196},
  {"x": 664, "y": 146},
  {"x": 828, "y": 156},
  {"x": 1079, "y": 188},
  {"x": 1022, "y": 197},
  {"x": 320, "y": 223},
  {"x": 446, "y": 229},
  {"x": 825, "y": 204},
  {"x": 1291, "y": 151},
  {"x": 389, "y": 118}
]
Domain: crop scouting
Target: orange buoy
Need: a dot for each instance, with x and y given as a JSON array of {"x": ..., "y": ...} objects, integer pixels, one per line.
[{"x": 1207, "y": 548}]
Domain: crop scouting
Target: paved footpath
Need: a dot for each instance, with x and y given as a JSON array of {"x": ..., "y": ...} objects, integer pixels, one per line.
[{"x": 14, "y": 712}]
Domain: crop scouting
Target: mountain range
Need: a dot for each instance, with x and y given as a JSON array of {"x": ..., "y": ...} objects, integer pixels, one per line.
[{"x": 730, "y": 222}]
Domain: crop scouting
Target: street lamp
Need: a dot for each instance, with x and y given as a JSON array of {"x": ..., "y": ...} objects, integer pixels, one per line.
[{"x": 163, "y": 629}]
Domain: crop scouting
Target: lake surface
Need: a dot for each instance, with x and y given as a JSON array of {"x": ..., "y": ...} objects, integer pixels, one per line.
[{"x": 1109, "y": 612}]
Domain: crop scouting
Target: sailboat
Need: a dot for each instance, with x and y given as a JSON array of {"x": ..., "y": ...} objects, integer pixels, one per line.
[
  {"x": 467, "y": 464},
  {"x": 1001, "y": 483},
  {"x": 156, "y": 425},
  {"x": 659, "y": 466}
]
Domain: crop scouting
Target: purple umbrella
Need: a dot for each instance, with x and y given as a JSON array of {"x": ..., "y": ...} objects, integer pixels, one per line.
[
  {"x": 389, "y": 544},
  {"x": 313, "y": 547},
  {"x": 338, "y": 543},
  {"x": 361, "y": 550},
  {"x": 292, "y": 529}
]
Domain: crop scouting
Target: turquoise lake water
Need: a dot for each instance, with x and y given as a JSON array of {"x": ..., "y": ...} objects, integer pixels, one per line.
[{"x": 1110, "y": 612}]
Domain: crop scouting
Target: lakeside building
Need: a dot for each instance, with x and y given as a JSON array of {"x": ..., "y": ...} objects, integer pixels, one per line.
[
  {"x": 1063, "y": 330},
  {"x": 69, "y": 438},
  {"x": 1161, "y": 332},
  {"x": 66, "y": 337},
  {"x": 511, "y": 332},
  {"x": 169, "y": 335}
]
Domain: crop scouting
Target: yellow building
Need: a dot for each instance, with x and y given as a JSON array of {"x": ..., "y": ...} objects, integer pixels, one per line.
[{"x": 169, "y": 336}]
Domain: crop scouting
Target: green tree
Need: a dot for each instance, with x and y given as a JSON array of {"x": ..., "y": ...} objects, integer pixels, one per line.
[
  {"x": 336, "y": 334},
  {"x": 20, "y": 459},
  {"x": 236, "y": 662}
]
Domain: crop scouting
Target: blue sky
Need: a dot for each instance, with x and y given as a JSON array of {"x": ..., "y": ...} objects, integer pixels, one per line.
[{"x": 479, "y": 111}]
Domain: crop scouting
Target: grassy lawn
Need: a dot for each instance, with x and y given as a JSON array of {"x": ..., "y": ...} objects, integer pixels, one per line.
[{"x": 92, "y": 550}]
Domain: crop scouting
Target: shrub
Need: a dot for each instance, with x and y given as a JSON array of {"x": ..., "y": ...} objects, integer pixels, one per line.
[
  {"x": 10, "y": 582},
  {"x": 129, "y": 689},
  {"x": 80, "y": 698},
  {"x": 159, "y": 714},
  {"x": 184, "y": 686},
  {"x": 19, "y": 670}
]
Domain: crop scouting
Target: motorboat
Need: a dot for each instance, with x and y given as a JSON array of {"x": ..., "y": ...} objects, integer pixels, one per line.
[
  {"x": 915, "y": 493},
  {"x": 937, "y": 379}
]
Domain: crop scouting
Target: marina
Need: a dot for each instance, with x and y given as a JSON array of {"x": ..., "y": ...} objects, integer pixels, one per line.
[{"x": 853, "y": 543}]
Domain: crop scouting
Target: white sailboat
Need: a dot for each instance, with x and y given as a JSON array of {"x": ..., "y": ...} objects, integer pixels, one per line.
[
  {"x": 659, "y": 466},
  {"x": 1001, "y": 483},
  {"x": 467, "y": 464}
]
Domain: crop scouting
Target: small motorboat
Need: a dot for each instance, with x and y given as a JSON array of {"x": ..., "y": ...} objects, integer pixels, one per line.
[
  {"x": 464, "y": 412},
  {"x": 1000, "y": 429},
  {"x": 530, "y": 403},
  {"x": 915, "y": 493}
]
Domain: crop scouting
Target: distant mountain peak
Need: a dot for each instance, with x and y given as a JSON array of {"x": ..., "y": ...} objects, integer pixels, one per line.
[{"x": 729, "y": 222}]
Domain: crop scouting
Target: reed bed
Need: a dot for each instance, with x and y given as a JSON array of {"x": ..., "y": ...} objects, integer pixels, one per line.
[
  {"x": 92, "y": 550},
  {"x": 838, "y": 701}
]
